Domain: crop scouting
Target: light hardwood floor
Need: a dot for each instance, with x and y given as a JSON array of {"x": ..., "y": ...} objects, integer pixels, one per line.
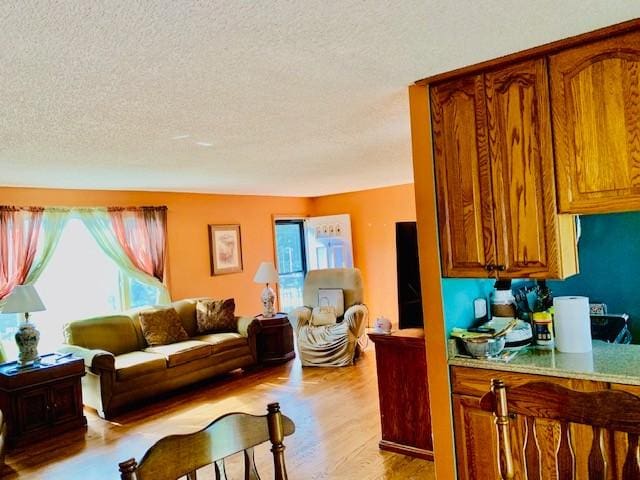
[{"x": 335, "y": 411}]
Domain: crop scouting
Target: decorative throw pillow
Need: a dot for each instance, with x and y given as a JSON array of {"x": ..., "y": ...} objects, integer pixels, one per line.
[
  {"x": 162, "y": 326},
  {"x": 321, "y": 316},
  {"x": 216, "y": 316}
]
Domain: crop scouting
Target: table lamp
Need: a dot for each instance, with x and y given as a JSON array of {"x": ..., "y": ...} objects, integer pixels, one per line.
[
  {"x": 267, "y": 274},
  {"x": 25, "y": 299}
]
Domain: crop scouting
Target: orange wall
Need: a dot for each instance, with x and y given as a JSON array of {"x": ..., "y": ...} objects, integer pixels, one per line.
[
  {"x": 373, "y": 217},
  {"x": 188, "y": 244}
]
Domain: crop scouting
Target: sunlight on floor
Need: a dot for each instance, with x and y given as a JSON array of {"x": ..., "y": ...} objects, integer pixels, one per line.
[{"x": 335, "y": 411}]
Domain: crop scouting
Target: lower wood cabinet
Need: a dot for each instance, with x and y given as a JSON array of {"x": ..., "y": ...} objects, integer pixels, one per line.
[
  {"x": 476, "y": 437},
  {"x": 476, "y": 443},
  {"x": 41, "y": 401}
]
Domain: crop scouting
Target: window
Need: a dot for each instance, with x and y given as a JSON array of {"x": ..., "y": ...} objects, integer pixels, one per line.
[
  {"x": 292, "y": 264},
  {"x": 80, "y": 281}
]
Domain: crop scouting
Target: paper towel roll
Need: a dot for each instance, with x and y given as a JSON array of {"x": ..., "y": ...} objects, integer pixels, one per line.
[{"x": 572, "y": 324}]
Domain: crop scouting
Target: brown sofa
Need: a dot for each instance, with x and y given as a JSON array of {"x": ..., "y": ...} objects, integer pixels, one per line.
[{"x": 122, "y": 369}]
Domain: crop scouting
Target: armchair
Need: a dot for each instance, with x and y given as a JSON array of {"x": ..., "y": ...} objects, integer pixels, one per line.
[{"x": 330, "y": 345}]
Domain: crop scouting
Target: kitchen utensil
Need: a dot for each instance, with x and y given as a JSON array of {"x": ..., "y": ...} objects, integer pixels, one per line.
[
  {"x": 485, "y": 347},
  {"x": 519, "y": 335}
]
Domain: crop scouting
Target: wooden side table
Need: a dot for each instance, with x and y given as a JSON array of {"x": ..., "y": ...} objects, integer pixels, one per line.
[
  {"x": 405, "y": 415},
  {"x": 43, "y": 400},
  {"x": 275, "y": 340}
]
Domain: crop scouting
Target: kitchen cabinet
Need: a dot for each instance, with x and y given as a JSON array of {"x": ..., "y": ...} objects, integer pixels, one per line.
[
  {"x": 475, "y": 431},
  {"x": 620, "y": 441},
  {"x": 495, "y": 176},
  {"x": 596, "y": 120},
  {"x": 465, "y": 212},
  {"x": 476, "y": 443}
]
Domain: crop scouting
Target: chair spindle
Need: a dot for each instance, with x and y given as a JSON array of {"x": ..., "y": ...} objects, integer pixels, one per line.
[
  {"x": 276, "y": 435},
  {"x": 566, "y": 458},
  {"x": 502, "y": 422},
  {"x": 631, "y": 468}
]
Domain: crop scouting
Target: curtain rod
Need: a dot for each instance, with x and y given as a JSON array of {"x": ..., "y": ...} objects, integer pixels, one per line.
[{"x": 15, "y": 208}]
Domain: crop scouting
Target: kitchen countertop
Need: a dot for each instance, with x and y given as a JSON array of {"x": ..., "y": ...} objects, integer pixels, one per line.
[{"x": 607, "y": 362}]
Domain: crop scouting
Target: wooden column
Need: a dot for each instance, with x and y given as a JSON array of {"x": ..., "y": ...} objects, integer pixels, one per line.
[{"x": 430, "y": 277}]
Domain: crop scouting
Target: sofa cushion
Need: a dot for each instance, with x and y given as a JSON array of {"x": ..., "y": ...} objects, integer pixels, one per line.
[
  {"x": 187, "y": 310},
  {"x": 113, "y": 333},
  {"x": 182, "y": 352},
  {"x": 135, "y": 364},
  {"x": 223, "y": 341},
  {"x": 162, "y": 326},
  {"x": 216, "y": 316}
]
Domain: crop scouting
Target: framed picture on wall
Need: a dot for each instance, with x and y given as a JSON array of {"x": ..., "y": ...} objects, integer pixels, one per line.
[{"x": 225, "y": 249}]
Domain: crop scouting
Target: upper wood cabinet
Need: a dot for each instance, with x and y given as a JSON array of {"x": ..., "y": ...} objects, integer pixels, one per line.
[
  {"x": 465, "y": 210},
  {"x": 595, "y": 92},
  {"x": 495, "y": 179}
]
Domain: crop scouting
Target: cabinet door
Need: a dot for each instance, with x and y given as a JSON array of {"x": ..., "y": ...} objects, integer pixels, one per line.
[
  {"x": 621, "y": 441},
  {"x": 596, "y": 120},
  {"x": 64, "y": 401},
  {"x": 32, "y": 410},
  {"x": 463, "y": 177},
  {"x": 476, "y": 439},
  {"x": 521, "y": 153}
]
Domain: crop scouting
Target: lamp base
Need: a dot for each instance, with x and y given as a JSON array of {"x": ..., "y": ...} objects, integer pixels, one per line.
[
  {"x": 27, "y": 338},
  {"x": 268, "y": 298}
]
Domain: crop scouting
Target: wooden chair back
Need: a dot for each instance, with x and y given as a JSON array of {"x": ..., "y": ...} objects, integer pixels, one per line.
[
  {"x": 179, "y": 456},
  {"x": 547, "y": 431}
]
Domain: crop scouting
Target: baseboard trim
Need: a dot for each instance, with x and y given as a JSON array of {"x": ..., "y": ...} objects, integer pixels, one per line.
[{"x": 405, "y": 449}]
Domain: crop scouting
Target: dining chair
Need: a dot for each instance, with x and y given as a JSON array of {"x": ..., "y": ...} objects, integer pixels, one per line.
[
  {"x": 182, "y": 455},
  {"x": 547, "y": 431}
]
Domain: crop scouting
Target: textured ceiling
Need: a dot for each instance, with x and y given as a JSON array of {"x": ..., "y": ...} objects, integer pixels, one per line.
[{"x": 280, "y": 97}]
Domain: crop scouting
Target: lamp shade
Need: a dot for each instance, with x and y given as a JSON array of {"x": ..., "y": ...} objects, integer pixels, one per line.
[
  {"x": 266, "y": 273},
  {"x": 24, "y": 298}
]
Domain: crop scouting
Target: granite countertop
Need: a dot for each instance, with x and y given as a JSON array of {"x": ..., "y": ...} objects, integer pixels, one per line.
[{"x": 607, "y": 362}]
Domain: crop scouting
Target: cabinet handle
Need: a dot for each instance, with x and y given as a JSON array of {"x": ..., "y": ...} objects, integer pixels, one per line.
[
  {"x": 489, "y": 267},
  {"x": 502, "y": 268}
]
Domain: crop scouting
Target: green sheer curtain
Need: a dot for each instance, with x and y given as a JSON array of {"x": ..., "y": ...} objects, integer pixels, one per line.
[
  {"x": 53, "y": 223},
  {"x": 99, "y": 225}
]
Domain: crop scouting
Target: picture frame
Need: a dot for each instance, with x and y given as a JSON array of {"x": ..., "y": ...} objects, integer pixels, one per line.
[{"x": 225, "y": 249}]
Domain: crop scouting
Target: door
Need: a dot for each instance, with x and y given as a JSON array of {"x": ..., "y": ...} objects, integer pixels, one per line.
[
  {"x": 328, "y": 241},
  {"x": 33, "y": 410},
  {"x": 521, "y": 155},
  {"x": 595, "y": 93},
  {"x": 463, "y": 177},
  {"x": 292, "y": 262},
  {"x": 476, "y": 441},
  {"x": 408, "y": 276}
]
